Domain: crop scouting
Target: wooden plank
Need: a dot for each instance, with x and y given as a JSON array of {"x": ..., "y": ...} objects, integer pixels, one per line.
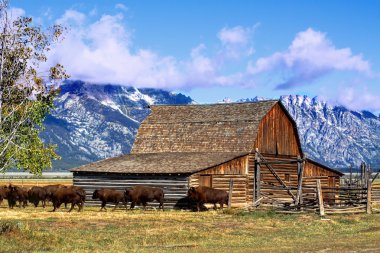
[
  {"x": 257, "y": 177},
  {"x": 369, "y": 196},
  {"x": 231, "y": 188},
  {"x": 276, "y": 176},
  {"x": 320, "y": 198},
  {"x": 175, "y": 187},
  {"x": 300, "y": 167}
]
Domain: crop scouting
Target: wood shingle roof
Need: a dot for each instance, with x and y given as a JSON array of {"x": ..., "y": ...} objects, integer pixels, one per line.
[
  {"x": 159, "y": 163},
  {"x": 201, "y": 128}
]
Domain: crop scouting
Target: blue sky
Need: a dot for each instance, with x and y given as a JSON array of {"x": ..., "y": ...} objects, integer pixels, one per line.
[{"x": 216, "y": 49}]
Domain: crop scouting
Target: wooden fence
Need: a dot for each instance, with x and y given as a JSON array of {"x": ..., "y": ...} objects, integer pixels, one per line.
[{"x": 324, "y": 200}]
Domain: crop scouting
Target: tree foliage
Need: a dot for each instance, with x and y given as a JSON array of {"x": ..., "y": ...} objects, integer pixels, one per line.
[{"x": 26, "y": 96}]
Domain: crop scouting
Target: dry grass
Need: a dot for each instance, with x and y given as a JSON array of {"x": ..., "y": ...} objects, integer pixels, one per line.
[
  {"x": 35, "y": 182},
  {"x": 38, "y": 230}
]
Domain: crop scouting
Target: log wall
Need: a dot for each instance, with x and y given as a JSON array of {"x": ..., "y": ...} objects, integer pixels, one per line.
[{"x": 175, "y": 186}]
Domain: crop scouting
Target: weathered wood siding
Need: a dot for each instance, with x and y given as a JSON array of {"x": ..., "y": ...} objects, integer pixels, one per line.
[
  {"x": 220, "y": 176},
  {"x": 271, "y": 187},
  {"x": 277, "y": 134},
  {"x": 329, "y": 179},
  {"x": 238, "y": 166},
  {"x": 376, "y": 193},
  {"x": 288, "y": 173},
  {"x": 250, "y": 178},
  {"x": 175, "y": 186},
  {"x": 221, "y": 182},
  {"x": 312, "y": 169}
]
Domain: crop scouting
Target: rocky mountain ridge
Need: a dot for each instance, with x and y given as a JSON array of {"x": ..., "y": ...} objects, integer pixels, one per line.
[{"x": 93, "y": 122}]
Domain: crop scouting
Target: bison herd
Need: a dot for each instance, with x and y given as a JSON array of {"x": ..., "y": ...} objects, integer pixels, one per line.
[{"x": 76, "y": 196}]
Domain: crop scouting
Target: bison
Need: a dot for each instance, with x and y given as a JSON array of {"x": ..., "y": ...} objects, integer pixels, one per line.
[
  {"x": 17, "y": 193},
  {"x": 3, "y": 193},
  {"x": 50, "y": 189},
  {"x": 109, "y": 195},
  {"x": 203, "y": 194},
  {"x": 143, "y": 194},
  {"x": 37, "y": 194},
  {"x": 73, "y": 194}
]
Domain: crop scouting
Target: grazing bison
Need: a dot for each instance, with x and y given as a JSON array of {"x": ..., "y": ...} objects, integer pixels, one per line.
[
  {"x": 73, "y": 194},
  {"x": 3, "y": 193},
  {"x": 50, "y": 189},
  {"x": 203, "y": 194},
  {"x": 143, "y": 194},
  {"x": 17, "y": 193},
  {"x": 109, "y": 195},
  {"x": 37, "y": 194}
]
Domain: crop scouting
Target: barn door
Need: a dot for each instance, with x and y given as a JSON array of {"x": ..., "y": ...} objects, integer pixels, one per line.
[{"x": 205, "y": 180}]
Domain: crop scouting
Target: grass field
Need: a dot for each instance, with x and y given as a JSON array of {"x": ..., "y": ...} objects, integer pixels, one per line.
[
  {"x": 37, "y": 230},
  {"x": 36, "y": 182}
]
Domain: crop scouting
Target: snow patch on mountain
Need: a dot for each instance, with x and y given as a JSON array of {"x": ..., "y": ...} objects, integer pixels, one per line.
[{"x": 92, "y": 122}]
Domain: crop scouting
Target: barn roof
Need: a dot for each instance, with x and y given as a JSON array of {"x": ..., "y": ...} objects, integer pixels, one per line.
[
  {"x": 201, "y": 128},
  {"x": 159, "y": 163}
]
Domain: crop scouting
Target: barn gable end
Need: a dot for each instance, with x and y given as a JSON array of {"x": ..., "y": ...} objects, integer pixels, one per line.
[{"x": 277, "y": 133}]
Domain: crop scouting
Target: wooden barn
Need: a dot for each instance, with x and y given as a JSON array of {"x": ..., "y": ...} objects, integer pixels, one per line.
[{"x": 252, "y": 147}]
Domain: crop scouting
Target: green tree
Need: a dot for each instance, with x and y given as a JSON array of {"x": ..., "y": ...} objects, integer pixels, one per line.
[{"x": 26, "y": 96}]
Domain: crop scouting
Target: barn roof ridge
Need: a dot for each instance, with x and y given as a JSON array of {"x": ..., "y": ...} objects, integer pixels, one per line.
[{"x": 214, "y": 104}]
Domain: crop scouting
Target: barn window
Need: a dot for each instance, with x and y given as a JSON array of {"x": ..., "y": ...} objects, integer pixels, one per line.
[
  {"x": 287, "y": 177},
  {"x": 205, "y": 180}
]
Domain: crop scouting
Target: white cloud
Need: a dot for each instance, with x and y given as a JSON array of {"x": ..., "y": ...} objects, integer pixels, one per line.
[
  {"x": 102, "y": 52},
  {"x": 237, "y": 41},
  {"x": 235, "y": 35},
  {"x": 357, "y": 98},
  {"x": 72, "y": 17},
  {"x": 310, "y": 56},
  {"x": 121, "y": 7}
]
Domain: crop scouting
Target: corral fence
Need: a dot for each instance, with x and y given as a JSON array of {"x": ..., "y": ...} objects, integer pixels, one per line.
[
  {"x": 355, "y": 194},
  {"x": 325, "y": 200}
]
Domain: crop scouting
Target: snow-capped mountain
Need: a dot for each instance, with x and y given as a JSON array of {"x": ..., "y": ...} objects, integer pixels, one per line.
[
  {"x": 334, "y": 135},
  {"x": 92, "y": 122}
]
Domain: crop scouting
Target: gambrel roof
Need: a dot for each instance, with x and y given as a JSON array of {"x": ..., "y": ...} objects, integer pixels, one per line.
[{"x": 201, "y": 128}]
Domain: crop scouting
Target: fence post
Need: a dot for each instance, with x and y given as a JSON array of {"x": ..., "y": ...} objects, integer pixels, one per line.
[
  {"x": 300, "y": 167},
  {"x": 320, "y": 198},
  {"x": 230, "y": 192},
  {"x": 350, "y": 183},
  {"x": 369, "y": 197},
  {"x": 257, "y": 176}
]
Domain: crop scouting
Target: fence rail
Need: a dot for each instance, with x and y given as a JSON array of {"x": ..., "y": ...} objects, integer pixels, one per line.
[{"x": 353, "y": 199}]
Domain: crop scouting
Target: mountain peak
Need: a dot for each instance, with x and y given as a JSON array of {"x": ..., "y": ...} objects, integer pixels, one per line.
[{"x": 97, "y": 121}]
